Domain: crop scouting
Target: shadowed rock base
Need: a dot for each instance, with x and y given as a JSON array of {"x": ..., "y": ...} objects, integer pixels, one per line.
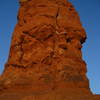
[
  {"x": 45, "y": 60},
  {"x": 54, "y": 94}
]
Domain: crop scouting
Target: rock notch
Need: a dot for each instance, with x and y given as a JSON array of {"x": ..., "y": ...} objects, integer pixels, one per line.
[{"x": 45, "y": 60}]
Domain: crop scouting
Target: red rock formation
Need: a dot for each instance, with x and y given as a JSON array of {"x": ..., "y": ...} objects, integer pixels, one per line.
[{"x": 45, "y": 55}]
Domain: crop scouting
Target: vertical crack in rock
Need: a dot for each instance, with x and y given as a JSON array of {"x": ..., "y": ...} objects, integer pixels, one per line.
[{"x": 57, "y": 15}]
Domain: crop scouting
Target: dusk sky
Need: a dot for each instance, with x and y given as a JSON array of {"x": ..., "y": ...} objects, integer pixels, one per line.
[{"x": 89, "y": 12}]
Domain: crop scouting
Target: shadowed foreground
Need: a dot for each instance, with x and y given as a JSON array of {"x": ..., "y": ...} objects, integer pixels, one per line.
[{"x": 57, "y": 94}]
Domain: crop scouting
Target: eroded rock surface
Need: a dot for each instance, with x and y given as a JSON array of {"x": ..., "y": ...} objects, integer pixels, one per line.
[{"x": 45, "y": 55}]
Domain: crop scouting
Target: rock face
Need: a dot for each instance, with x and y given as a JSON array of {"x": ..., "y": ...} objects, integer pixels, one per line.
[{"x": 45, "y": 59}]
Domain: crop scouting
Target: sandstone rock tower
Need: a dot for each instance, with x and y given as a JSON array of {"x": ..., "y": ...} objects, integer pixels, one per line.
[{"x": 45, "y": 60}]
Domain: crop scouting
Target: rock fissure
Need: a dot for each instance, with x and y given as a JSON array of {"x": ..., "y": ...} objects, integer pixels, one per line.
[{"x": 57, "y": 15}]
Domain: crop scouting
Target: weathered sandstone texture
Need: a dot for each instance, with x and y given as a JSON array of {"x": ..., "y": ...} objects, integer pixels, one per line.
[{"x": 45, "y": 60}]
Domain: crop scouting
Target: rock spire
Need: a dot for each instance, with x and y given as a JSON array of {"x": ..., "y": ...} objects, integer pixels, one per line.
[{"x": 45, "y": 56}]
